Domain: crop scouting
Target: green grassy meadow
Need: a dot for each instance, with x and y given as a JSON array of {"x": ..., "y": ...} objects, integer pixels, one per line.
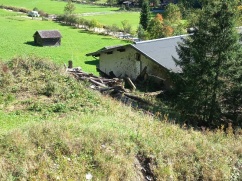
[
  {"x": 56, "y": 7},
  {"x": 104, "y": 15},
  {"x": 17, "y": 41},
  {"x": 117, "y": 18}
]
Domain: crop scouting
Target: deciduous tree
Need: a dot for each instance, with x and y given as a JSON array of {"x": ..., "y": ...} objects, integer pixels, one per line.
[
  {"x": 158, "y": 28},
  {"x": 172, "y": 13},
  {"x": 155, "y": 28},
  {"x": 69, "y": 8},
  {"x": 126, "y": 26}
]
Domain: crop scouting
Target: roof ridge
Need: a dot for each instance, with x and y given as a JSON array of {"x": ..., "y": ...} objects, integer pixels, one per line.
[
  {"x": 48, "y": 30},
  {"x": 171, "y": 37}
]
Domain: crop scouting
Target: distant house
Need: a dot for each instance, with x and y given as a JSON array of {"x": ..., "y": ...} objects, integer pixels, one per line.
[
  {"x": 47, "y": 38},
  {"x": 33, "y": 14},
  {"x": 127, "y": 3},
  {"x": 129, "y": 60}
]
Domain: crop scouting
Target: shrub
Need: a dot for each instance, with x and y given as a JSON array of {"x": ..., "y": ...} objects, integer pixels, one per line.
[{"x": 59, "y": 107}]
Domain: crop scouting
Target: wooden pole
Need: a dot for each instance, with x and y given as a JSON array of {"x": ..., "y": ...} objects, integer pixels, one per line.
[
  {"x": 70, "y": 64},
  {"x": 130, "y": 83}
]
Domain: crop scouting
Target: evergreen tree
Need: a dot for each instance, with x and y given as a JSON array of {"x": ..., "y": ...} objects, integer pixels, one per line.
[
  {"x": 232, "y": 96},
  {"x": 188, "y": 4},
  {"x": 145, "y": 14},
  {"x": 209, "y": 60}
]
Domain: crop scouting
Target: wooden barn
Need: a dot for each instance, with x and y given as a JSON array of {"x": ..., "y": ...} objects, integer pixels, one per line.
[
  {"x": 47, "y": 38},
  {"x": 153, "y": 56}
]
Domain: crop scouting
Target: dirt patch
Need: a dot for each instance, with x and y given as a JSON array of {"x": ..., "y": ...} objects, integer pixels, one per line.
[{"x": 143, "y": 165}]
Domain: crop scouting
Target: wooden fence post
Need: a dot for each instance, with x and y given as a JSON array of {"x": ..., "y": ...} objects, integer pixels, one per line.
[{"x": 70, "y": 64}]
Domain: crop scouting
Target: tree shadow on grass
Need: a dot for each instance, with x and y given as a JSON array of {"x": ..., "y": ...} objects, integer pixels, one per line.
[
  {"x": 87, "y": 31},
  {"x": 67, "y": 25},
  {"x": 92, "y": 62},
  {"x": 108, "y": 38}
]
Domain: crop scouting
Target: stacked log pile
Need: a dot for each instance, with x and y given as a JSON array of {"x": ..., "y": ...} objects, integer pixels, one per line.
[
  {"x": 97, "y": 83},
  {"x": 109, "y": 86}
]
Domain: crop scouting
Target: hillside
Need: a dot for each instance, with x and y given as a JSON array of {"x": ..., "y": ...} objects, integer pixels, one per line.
[{"x": 55, "y": 128}]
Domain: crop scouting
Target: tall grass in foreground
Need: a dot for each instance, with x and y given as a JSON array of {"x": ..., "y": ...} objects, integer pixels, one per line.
[{"x": 77, "y": 131}]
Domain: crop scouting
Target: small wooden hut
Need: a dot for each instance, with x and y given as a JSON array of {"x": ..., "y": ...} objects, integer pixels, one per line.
[{"x": 47, "y": 38}]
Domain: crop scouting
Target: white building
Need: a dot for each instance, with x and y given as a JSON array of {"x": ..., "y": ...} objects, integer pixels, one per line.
[{"x": 129, "y": 60}]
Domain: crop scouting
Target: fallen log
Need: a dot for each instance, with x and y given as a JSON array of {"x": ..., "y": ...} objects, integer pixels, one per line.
[
  {"x": 153, "y": 93},
  {"x": 105, "y": 89},
  {"x": 97, "y": 83},
  {"x": 80, "y": 73},
  {"x": 96, "y": 79},
  {"x": 113, "y": 86},
  {"x": 103, "y": 79},
  {"x": 133, "y": 87},
  {"x": 136, "y": 98}
]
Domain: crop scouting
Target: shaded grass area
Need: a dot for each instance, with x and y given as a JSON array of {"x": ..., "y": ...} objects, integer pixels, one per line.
[
  {"x": 76, "y": 131},
  {"x": 17, "y": 40}
]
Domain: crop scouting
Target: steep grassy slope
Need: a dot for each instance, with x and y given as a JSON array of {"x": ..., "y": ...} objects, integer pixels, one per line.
[{"x": 55, "y": 128}]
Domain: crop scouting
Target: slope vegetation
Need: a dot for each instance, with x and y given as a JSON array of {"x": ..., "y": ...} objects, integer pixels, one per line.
[{"x": 55, "y": 128}]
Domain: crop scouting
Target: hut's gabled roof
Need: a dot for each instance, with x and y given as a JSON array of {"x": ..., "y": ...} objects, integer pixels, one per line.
[{"x": 48, "y": 33}]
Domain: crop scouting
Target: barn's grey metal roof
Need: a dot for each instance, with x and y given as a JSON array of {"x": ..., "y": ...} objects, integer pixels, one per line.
[
  {"x": 104, "y": 49},
  {"x": 161, "y": 51},
  {"x": 49, "y": 33}
]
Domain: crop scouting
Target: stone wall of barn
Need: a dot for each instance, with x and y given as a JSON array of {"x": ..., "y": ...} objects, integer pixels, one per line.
[
  {"x": 121, "y": 61},
  {"x": 128, "y": 61}
]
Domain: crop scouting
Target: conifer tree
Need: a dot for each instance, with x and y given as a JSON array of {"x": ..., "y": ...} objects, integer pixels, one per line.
[
  {"x": 209, "y": 59},
  {"x": 145, "y": 14}
]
